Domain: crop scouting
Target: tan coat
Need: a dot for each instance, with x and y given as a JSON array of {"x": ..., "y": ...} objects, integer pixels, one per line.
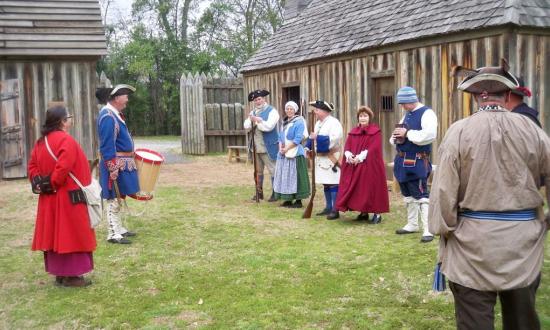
[{"x": 491, "y": 161}]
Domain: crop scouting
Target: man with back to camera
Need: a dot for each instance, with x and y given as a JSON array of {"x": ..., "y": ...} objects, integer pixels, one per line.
[{"x": 487, "y": 207}]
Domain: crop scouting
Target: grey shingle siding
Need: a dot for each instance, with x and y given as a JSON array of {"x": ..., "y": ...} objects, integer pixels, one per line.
[
  {"x": 51, "y": 28},
  {"x": 333, "y": 27}
]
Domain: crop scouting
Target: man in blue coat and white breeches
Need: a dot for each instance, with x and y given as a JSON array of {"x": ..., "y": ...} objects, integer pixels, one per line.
[{"x": 117, "y": 168}]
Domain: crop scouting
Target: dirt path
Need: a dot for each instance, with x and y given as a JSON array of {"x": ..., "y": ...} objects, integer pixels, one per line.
[{"x": 170, "y": 149}]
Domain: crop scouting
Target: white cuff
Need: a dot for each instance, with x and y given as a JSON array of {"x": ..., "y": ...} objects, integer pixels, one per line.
[{"x": 363, "y": 155}]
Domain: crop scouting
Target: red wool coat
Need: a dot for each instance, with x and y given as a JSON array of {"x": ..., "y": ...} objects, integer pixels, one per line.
[
  {"x": 61, "y": 226},
  {"x": 363, "y": 187}
]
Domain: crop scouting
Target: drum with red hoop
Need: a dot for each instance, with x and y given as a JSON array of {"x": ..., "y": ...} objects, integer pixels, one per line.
[{"x": 148, "y": 164}]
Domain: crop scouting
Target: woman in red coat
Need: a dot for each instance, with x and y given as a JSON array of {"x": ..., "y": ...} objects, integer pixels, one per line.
[
  {"x": 363, "y": 185},
  {"x": 62, "y": 227}
]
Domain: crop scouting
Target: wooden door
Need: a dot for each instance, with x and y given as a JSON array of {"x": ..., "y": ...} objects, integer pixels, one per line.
[
  {"x": 384, "y": 113},
  {"x": 12, "y": 131}
]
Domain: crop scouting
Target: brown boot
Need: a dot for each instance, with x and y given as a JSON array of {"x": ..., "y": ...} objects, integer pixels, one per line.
[{"x": 76, "y": 281}]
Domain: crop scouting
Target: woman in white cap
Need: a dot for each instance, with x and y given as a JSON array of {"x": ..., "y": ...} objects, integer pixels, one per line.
[{"x": 291, "y": 181}]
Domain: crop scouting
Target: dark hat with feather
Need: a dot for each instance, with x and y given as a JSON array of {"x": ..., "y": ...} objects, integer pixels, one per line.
[
  {"x": 109, "y": 93},
  {"x": 490, "y": 79},
  {"x": 320, "y": 104},
  {"x": 257, "y": 93}
]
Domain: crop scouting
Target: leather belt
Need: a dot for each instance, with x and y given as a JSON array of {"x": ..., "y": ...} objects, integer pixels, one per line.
[{"x": 419, "y": 155}]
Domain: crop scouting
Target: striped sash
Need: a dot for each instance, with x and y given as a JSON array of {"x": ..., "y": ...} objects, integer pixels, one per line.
[{"x": 520, "y": 215}]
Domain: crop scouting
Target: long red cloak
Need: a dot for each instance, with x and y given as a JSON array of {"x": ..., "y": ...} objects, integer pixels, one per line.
[
  {"x": 61, "y": 226},
  {"x": 363, "y": 187}
]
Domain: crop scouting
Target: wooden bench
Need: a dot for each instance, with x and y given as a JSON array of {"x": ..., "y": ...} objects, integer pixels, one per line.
[{"x": 234, "y": 152}]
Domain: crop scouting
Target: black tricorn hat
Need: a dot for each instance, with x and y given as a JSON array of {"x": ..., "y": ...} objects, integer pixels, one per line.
[
  {"x": 490, "y": 79},
  {"x": 257, "y": 93},
  {"x": 106, "y": 94},
  {"x": 320, "y": 104}
]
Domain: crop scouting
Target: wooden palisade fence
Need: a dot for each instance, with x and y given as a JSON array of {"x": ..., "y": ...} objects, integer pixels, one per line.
[{"x": 212, "y": 113}]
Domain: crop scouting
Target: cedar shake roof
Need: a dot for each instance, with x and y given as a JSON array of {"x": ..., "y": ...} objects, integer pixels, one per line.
[
  {"x": 333, "y": 27},
  {"x": 51, "y": 28}
]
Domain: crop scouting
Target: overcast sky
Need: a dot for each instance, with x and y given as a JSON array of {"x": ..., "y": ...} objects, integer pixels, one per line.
[{"x": 120, "y": 7}]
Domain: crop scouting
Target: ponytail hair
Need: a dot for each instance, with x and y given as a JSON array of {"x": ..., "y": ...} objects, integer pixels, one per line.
[{"x": 55, "y": 116}]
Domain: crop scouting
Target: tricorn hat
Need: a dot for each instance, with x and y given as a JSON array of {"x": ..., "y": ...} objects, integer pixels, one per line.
[
  {"x": 257, "y": 93},
  {"x": 105, "y": 94},
  {"x": 490, "y": 79},
  {"x": 320, "y": 104}
]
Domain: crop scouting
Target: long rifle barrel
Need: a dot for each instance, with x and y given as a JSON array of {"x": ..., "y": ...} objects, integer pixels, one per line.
[{"x": 309, "y": 207}]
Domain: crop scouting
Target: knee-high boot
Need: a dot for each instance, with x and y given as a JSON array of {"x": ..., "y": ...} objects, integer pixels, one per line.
[
  {"x": 424, "y": 207},
  {"x": 115, "y": 229},
  {"x": 412, "y": 216}
]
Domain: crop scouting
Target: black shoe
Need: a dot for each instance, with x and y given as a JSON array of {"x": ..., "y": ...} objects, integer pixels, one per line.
[
  {"x": 362, "y": 217},
  {"x": 129, "y": 234},
  {"x": 119, "y": 241},
  {"x": 426, "y": 239},
  {"x": 272, "y": 198},
  {"x": 376, "y": 219},
  {"x": 403, "y": 232},
  {"x": 297, "y": 205},
  {"x": 75, "y": 281},
  {"x": 286, "y": 204},
  {"x": 333, "y": 215},
  {"x": 323, "y": 212}
]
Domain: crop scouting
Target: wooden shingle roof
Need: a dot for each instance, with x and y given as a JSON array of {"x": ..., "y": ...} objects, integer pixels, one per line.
[
  {"x": 51, "y": 28},
  {"x": 333, "y": 27}
]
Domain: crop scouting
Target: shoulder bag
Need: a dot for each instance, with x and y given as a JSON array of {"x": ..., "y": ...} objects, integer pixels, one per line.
[{"x": 92, "y": 193}]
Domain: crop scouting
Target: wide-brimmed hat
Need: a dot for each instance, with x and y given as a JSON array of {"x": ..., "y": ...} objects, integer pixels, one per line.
[
  {"x": 257, "y": 93},
  {"x": 105, "y": 94},
  {"x": 320, "y": 104},
  {"x": 490, "y": 79}
]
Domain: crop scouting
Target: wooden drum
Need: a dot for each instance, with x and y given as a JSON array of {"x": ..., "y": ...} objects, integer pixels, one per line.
[{"x": 148, "y": 166}]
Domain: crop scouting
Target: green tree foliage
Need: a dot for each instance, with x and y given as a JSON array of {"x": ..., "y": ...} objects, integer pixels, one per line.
[{"x": 166, "y": 38}]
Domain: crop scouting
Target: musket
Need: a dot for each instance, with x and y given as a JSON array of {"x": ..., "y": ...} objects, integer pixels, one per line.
[
  {"x": 309, "y": 207},
  {"x": 254, "y": 161}
]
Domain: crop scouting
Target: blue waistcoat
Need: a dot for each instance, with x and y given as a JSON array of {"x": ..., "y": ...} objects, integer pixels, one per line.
[
  {"x": 409, "y": 167},
  {"x": 271, "y": 138}
]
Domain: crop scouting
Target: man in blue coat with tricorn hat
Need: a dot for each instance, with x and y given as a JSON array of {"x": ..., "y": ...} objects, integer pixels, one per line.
[
  {"x": 117, "y": 169},
  {"x": 264, "y": 118}
]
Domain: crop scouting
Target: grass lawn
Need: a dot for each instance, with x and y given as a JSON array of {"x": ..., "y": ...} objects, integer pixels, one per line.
[{"x": 207, "y": 257}]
